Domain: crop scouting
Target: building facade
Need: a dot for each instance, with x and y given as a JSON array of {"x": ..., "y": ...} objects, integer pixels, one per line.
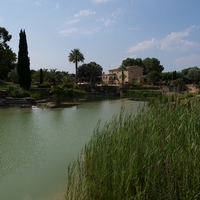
[{"x": 132, "y": 74}]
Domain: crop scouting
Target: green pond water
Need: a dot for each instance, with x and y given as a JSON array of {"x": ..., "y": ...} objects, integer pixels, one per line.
[{"x": 37, "y": 145}]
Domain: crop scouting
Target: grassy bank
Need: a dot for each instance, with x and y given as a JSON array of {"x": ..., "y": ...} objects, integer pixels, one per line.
[
  {"x": 141, "y": 94},
  {"x": 155, "y": 155}
]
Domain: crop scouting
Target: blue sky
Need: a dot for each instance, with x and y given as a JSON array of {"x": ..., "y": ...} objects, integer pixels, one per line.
[{"x": 105, "y": 31}]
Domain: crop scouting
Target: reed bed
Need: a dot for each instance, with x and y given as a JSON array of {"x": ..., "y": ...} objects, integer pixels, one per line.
[{"x": 154, "y": 155}]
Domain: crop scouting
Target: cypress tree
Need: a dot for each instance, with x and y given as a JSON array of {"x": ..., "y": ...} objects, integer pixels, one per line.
[
  {"x": 23, "y": 66},
  {"x": 41, "y": 76}
]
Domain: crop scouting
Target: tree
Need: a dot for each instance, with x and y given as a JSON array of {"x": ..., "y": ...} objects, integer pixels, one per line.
[
  {"x": 129, "y": 62},
  {"x": 58, "y": 90},
  {"x": 41, "y": 76},
  {"x": 132, "y": 62},
  {"x": 194, "y": 75},
  {"x": 90, "y": 72},
  {"x": 23, "y": 66},
  {"x": 76, "y": 56},
  {"x": 7, "y": 56},
  {"x": 13, "y": 75},
  {"x": 185, "y": 71},
  {"x": 178, "y": 84},
  {"x": 37, "y": 76},
  {"x": 122, "y": 68},
  {"x": 139, "y": 62},
  {"x": 152, "y": 64},
  {"x": 153, "y": 77},
  {"x": 55, "y": 77}
]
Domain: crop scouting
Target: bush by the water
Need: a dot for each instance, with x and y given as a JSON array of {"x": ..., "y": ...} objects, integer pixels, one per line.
[
  {"x": 71, "y": 92},
  {"x": 44, "y": 85},
  {"x": 155, "y": 155},
  {"x": 17, "y": 92},
  {"x": 143, "y": 94}
]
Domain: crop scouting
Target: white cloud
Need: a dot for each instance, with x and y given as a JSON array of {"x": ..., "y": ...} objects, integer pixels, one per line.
[
  {"x": 73, "y": 21},
  {"x": 105, "y": 21},
  {"x": 175, "y": 40},
  {"x": 85, "y": 12},
  {"x": 67, "y": 32},
  {"x": 144, "y": 45}
]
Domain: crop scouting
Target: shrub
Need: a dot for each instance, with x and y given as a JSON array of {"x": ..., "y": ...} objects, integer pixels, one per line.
[
  {"x": 17, "y": 92},
  {"x": 74, "y": 92},
  {"x": 39, "y": 94},
  {"x": 188, "y": 95},
  {"x": 143, "y": 94},
  {"x": 76, "y": 87},
  {"x": 44, "y": 85},
  {"x": 68, "y": 85}
]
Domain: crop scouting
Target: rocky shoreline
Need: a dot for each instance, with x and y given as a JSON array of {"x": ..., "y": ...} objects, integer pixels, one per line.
[
  {"x": 20, "y": 102},
  {"x": 29, "y": 102},
  {"x": 52, "y": 105}
]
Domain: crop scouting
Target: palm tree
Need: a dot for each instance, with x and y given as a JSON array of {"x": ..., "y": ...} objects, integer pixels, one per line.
[
  {"x": 122, "y": 68},
  {"x": 76, "y": 56}
]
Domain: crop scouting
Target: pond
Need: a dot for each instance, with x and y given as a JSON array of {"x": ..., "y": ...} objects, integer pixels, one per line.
[{"x": 37, "y": 145}]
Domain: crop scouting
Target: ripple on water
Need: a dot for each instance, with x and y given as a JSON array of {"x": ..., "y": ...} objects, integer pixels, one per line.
[{"x": 21, "y": 144}]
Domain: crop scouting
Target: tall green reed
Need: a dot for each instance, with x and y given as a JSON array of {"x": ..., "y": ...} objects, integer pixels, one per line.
[{"x": 154, "y": 155}]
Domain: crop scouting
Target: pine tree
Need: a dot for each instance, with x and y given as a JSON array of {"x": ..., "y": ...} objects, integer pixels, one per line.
[{"x": 23, "y": 67}]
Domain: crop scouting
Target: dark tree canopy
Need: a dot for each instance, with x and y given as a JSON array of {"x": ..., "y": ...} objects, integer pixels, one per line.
[
  {"x": 185, "y": 71},
  {"x": 90, "y": 72},
  {"x": 76, "y": 56},
  {"x": 153, "y": 77},
  {"x": 152, "y": 64},
  {"x": 132, "y": 62},
  {"x": 7, "y": 57},
  {"x": 174, "y": 75},
  {"x": 194, "y": 75},
  {"x": 55, "y": 77},
  {"x": 23, "y": 66},
  {"x": 4, "y": 38}
]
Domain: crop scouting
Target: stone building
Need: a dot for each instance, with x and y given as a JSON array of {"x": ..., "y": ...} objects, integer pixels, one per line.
[{"x": 132, "y": 74}]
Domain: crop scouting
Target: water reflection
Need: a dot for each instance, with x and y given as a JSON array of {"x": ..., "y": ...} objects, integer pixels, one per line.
[{"x": 36, "y": 145}]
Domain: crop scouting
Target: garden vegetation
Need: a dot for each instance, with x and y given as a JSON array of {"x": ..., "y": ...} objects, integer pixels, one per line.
[{"x": 154, "y": 155}]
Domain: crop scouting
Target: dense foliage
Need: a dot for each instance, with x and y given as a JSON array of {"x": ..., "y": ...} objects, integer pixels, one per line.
[
  {"x": 154, "y": 155},
  {"x": 23, "y": 66},
  {"x": 152, "y": 64},
  {"x": 17, "y": 92},
  {"x": 89, "y": 72},
  {"x": 132, "y": 62},
  {"x": 7, "y": 56},
  {"x": 194, "y": 75},
  {"x": 141, "y": 94}
]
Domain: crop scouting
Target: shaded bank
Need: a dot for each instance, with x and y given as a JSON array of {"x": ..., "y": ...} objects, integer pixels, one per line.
[{"x": 21, "y": 102}]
